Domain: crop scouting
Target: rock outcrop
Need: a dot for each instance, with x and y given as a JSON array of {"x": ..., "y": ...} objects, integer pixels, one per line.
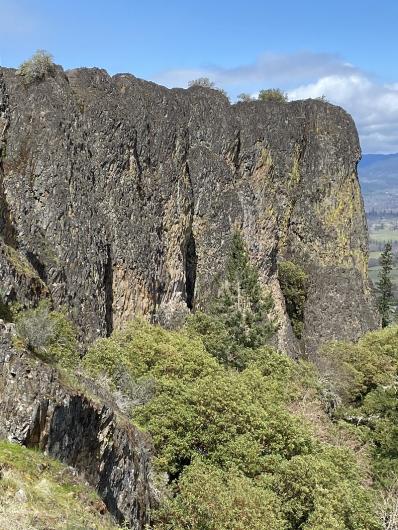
[
  {"x": 38, "y": 410},
  {"x": 122, "y": 197}
]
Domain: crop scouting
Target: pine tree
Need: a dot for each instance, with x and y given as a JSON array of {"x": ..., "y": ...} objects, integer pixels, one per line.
[
  {"x": 241, "y": 303},
  {"x": 384, "y": 285}
]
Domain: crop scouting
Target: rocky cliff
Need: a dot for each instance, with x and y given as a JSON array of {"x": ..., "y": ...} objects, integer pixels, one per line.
[
  {"x": 119, "y": 196},
  {"x": 38, "y": 410}
]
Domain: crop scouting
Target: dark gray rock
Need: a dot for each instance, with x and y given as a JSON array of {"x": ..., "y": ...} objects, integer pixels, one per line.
[
  {"x": 123, "y": 196},
  {"x": 38, "y": 410}
]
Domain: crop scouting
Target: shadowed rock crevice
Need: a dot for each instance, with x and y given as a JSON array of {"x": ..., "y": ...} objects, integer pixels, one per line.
[
  {"x": 38, "y": 265},
  {"x": 191, "y": 263},
  {"x": 108, "y": 289}
]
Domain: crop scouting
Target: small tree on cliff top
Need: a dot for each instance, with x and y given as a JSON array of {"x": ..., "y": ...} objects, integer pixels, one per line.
[
  {"x": 273, "y": 94},
  {"x": 206, "y": 83},
  {"x": 384, "y": 285},
  {"x": 37, "y": 67}
]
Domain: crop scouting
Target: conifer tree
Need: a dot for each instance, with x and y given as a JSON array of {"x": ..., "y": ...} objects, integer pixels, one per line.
[
  {"x": 241, "y": 303},
  {"x": 384, "y": 285}
]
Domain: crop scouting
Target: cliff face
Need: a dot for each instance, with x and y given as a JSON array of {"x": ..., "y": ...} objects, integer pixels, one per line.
[
  {"x": 120, "y": 196},
  {"x": 38, "y": 410}
]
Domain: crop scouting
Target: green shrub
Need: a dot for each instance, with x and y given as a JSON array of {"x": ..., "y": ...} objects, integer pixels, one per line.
[
  {"x": 294, "y": 285},
  {"x": 37, "y": 67},
  {"x": 354, "y": 369},
  {"x": 364, "y": 377},
  {"x": 215, "y": 336},
  {"x": 212, "y": 499},
  {"x": 142, "y": 349},
  {"x": 323, "y": 490},
  {"x": 233, "y": 418},
  {"x": 50, "y": 335}
]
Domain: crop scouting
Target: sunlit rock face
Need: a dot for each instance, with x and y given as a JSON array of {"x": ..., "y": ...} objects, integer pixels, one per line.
[{"x": 120, "y": 197}]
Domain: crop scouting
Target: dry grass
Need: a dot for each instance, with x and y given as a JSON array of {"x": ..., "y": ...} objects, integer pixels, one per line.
[
  {"x": 311, "y": 409},
  {"x": 38, "y": 493}
]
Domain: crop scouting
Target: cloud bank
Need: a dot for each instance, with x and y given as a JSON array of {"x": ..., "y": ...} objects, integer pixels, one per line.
[{"x": 373, "y": 105}]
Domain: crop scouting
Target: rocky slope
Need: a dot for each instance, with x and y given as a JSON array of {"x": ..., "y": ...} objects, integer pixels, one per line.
[
  {"x": 119, "y": 196},
  {"x": 39, "y": 411}
]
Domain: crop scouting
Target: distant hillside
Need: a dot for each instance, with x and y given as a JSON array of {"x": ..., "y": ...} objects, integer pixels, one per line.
[{"x": 379, "y": 181}]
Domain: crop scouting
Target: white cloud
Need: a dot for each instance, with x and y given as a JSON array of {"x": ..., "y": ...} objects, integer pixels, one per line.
[
  {"x": 269, "y": 67},
  {"x": 373, "y": 105}
]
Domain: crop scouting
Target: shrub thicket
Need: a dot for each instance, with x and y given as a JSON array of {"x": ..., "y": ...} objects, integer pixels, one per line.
[
  {"x": 363, "y": 378},
  {"x": 231, "y": 448}
]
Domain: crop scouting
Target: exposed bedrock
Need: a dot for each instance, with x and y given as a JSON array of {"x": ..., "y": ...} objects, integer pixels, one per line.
[
  {"x": 122, "y": 197},
  {"x": 38, "y": 410}
]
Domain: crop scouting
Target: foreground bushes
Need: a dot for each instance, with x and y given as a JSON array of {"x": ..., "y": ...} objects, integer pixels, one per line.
[
  {"x": 235, "y": 456},
  {"x": 363, "y": 378},
  {"x": 234, "y": 453},
  {"x": 212, "y": 499}
]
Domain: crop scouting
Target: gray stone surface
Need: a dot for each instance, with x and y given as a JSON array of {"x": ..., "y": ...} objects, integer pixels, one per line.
[
  {"x": 38, "y": 410},
  {"x": 123, "y": 195}
]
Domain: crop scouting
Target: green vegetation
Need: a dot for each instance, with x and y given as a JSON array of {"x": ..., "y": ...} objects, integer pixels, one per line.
[
  {"x": 37, "y": 67},
  {"x": 294, "y": 284},
  {"x": 384, "y": 285},
  {"x": 239, "y": 319},
  {"x": 362, "y": 378},
  {"x": 383, "y": 228},
  {"x": 39, "y": 493},
  {"x": 49, "y": 334},
  {"x": 213, "y": 499},
  {"x": 233, "y": 451},
  {"x": 273, "y": 94},
  {"x": 245, "y": 435}
]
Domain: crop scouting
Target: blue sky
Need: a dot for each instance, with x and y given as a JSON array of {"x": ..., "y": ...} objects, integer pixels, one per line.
[{"x": 344, "y": 50}]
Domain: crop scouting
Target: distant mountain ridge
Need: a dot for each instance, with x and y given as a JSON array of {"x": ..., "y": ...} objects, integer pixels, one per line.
[{"x": 379, "y": 181}]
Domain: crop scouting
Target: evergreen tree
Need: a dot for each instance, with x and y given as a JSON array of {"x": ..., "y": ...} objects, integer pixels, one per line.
[
  {"x": 384, "y": 285},
  {"x": 241, "y": 304}
]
